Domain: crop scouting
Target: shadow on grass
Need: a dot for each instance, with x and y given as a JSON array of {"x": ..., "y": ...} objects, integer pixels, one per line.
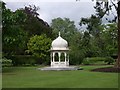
[{"x": 107, "y": 69}]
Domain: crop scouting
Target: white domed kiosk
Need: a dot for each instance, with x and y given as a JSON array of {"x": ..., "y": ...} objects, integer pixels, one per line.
[{"x": 59, "y": 48}]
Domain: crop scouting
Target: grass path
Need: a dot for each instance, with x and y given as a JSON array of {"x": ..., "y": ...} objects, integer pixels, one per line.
[{"x": 30, "y": 77}]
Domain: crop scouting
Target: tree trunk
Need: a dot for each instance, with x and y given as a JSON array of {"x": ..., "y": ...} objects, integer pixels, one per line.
[{"x": 118, "y": 13}]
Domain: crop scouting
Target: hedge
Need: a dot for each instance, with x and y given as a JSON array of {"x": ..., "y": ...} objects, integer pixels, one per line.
[
  {"x": 23, "y": 60},
  {"x": 93, "y": 60}
]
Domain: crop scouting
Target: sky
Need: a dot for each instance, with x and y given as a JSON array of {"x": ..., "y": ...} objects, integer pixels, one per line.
[{"x": 50, "y": 9}]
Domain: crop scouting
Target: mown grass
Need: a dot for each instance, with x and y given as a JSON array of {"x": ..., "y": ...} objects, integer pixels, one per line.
[{"x": 31, "y": 77}]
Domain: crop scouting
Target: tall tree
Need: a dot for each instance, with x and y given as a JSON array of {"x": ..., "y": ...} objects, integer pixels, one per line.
[
  {"x": 103, "y": 8},
  {"x": 72, "y": 35},
  {"x": 109, "y": 37},
  {"x": 19, "y": 26},
  {"x": 65, "y": 26},
  {"x": 108, "y": 8},
  {"x": 12, "y": 31},
  {"x": 117, "y": 8},
  {"x": 118, "y": 13},
  {"x": 33, "y": 24}
]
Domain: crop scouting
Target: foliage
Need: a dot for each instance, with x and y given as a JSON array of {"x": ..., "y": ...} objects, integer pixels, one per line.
[
  {"x": 19, "y": 26},
  {"x": 33, "y": 24},
  {"x": 94, "y": 60},
  {"x": 13, "y": 32},
  {"x": 65, "y": 26},
  {"x": 99, "y": 39},
  {"x": 76, "y": 56},
  {"x": 6, "y": 62},
  {"x": 14, "y": 43},
  {"x": 109, "y": 36},
  {"x": 92, "y": 23},
  {"x": 39, "y": 46},
  {"x": 91, "y": 39},
  {"x": 105, "y": 8},
  {"x": 72, "y": 35},
  {"x": 86, "y": 62},
  {"x": 25, "y": 60},
  {"x": 109, "y": 60}
]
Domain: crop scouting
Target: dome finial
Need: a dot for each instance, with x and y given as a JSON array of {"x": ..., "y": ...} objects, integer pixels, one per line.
[{"x": 59, "y": 33}]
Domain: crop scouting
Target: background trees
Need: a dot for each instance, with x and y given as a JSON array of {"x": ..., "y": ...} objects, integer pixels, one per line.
[
  {"x": 33, "y": 24},
  {"x": 98, "y": 40},
  {"x": 24, "y": 33},
  {"x": 109, "y": 36},
  {"x": 14, "y": 36},
  {"x": 118, "y": 13},
  {"x": 65, "y": 26},
  {"x": 18, "y": 28},
  {"x": 71, "y": 34},
  {"x": 105, "y": 9}
]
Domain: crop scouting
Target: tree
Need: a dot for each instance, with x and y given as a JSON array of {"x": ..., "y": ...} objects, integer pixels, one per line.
[
  {"x": 39, "y": 46},
  {"x": 65, "y": 26},
  {"x": 19, "y": 26},
  {"x": 92, "y": 40},
  {"x": 118, "y": 13},
  {"x": 108, "y": 8},
  {"x": 72, "y": 35},
  {"x": 12, "y": 32},
  {"x": 0, "y": 29},
  {"x": 103, "y": 8},
  {"x": 33, "y": 24},
  {"x": 109, "y": 36},
  {"x": 93, "y": 24}
]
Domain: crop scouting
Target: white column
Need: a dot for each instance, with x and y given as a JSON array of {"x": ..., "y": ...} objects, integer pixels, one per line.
[
  {"x": 53, "y": 56},
  {"x": 59, "y": 54},
  {"x": 65, "y": 57},
  {"x": 59, "y": 57}
]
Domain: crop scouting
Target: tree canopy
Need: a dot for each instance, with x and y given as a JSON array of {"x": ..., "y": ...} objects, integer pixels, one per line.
[
  {"x": 24, "y": 33},
  {"x": 19, "y": 26},
  {"x": 39, "y": 46}
]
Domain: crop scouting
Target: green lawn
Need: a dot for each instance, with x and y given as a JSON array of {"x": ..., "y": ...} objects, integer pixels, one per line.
[
  {"x": 1, "y": 81},
  {"x": 30, "y": 77}
]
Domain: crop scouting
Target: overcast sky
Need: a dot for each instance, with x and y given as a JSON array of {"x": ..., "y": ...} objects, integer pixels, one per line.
[{"x": 50, "y": 9}]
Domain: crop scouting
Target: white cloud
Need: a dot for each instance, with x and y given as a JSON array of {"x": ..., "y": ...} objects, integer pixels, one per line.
[
  {"x": 71, "y": 10},
  {"x": 50, "y": 10}
]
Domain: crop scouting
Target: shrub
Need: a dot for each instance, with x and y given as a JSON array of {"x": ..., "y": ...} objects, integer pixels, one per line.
[
  {"x": 86, "y": 61},
  {"x": 39, "y": 46},
  {"x": 94, "y": 60},
  {"x": 23, "y": 60},
  {"x": 6, "y": 62},
  {"x": 109, "y": 60},
  {"x": 76, "y": 57}
]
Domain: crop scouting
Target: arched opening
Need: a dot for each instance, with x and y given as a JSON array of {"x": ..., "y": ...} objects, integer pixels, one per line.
[
  {"x": 62, "y": 57},
  {"x": 51, "y": 56},
  {"x": 67, "y": 57},
  {"x": 56, "y": 57}
]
